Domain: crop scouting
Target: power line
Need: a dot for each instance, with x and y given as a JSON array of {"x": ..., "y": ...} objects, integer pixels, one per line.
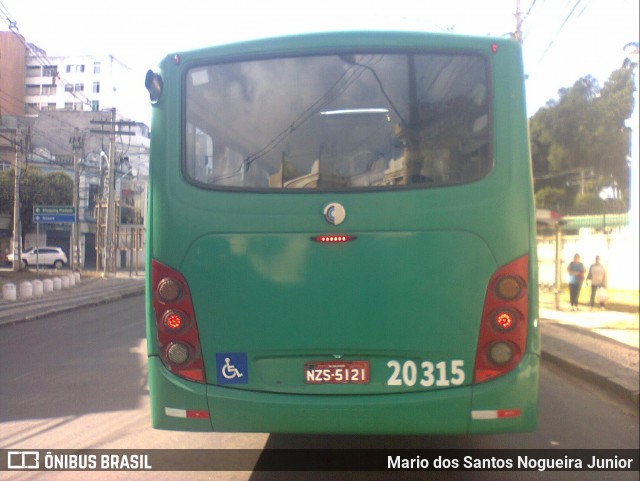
[{"x": 564, "y": 23}]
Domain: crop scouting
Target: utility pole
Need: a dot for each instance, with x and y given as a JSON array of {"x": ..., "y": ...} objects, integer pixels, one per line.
[
  {"x": 17, "y": 224},
  {"x": 110, "y": 228},
  {"x": 111, "y": 196},
  {"x": 77, "y": 142},
  {"x": 518, "y": 33}
]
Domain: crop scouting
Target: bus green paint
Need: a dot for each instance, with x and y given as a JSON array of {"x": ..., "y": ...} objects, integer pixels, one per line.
[{"x": 410, "y": 287}]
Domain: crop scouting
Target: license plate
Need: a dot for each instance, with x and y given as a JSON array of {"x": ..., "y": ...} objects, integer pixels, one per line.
[{"x": 336, "y": 372}]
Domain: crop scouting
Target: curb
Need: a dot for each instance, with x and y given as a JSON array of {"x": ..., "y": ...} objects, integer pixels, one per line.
[
  {"x": 40, "y": 310},
  {"x": 603, "y": 362},
  {"x": 627, "y": 396}
]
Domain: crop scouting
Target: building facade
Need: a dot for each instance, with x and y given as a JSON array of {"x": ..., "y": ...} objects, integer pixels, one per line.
[
  {"x": 65, "y": 113},
  {"x": 77, "y": 83},
  {"x": 13, "y": 55},
  {"x": 78, "y": 144}
]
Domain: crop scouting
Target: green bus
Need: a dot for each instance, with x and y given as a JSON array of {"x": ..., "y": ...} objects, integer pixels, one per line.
[{"x": 341, "y": 237}]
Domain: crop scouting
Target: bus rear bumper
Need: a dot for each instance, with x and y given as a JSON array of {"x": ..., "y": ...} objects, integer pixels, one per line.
[{"x": 506, "y": 404}]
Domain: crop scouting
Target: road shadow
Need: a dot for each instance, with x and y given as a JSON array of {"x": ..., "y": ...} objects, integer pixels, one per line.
[{"x": 66, "y": 365}]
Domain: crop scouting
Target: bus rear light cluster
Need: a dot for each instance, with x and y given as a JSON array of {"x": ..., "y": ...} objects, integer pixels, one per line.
[
  {"x": 503, "y": 329},
  {"x": 176, "y": 327}
]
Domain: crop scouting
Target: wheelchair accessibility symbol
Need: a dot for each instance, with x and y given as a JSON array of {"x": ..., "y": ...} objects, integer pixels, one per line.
[
  {"x": 232, "y": 368},
  {"x": 229, "y": 371}
]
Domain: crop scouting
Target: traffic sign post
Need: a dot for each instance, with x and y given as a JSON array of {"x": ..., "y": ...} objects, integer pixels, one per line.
[
  {"x": 43, "y": 214},
  {"x": 65, "y": 214}
]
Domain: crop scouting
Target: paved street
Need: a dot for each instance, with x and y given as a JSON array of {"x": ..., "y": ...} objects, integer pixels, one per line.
[{"x": 78, "y": 380}]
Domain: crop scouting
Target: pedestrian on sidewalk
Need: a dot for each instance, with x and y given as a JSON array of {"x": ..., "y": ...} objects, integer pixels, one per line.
[
  {"x": 598, "y": 278},
  {"x": 576, "y": 277}
]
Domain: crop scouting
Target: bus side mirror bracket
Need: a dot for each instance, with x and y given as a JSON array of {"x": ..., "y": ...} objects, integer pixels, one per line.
[{"x": 153, "y": 83}]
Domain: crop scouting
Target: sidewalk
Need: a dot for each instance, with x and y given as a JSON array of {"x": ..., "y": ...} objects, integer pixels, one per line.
[
  {"x": 91, "y": 290},
  {"x": 598, "y": 346}
]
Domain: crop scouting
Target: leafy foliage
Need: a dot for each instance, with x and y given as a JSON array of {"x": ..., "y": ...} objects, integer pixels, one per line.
[
  {"x": 579, "y": 144},
  {"x": 36, "y": 188}
]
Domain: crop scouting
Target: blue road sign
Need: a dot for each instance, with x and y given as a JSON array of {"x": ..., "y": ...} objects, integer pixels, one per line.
[
  {"x": 54, "y": 218},
  {"x": 54, "y": 214}
]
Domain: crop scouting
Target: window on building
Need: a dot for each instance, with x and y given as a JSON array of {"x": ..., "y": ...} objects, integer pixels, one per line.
[
  {"x": 50, "y": 71},
  {"x": 68, "y": 87},
  {"x": 79, "y": 87},
  {"x": 96, "y": 87},
  {"x": 68, "y": 69},
  {"x": 79, "y": 68},
  {"x": 68, "y": 105},
  {"x": 32, "y": 90},
  {"x": 96, "y": 67},
  {"x": 95, "y": 105},
  {"x": 48, "y": 90},
  {"x": 94, "y": 193},
  {"x": 33, "y": 71}
]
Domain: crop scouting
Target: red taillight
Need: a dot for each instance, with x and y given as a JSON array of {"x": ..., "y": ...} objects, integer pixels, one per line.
[
  {"x": 176, "y": 326},
  {"x": 174, "y": 321},
  {"x": 503, "y": 330},
  {"x": 504, "y": 320}
]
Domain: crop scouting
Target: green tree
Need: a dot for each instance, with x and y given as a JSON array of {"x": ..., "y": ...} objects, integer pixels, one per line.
[
  {"x": 36, "y": 188},
  {"x": 551, "y": 198},
  {"x": 580, "y": 143},
  {"x": 6, "y": 191}
]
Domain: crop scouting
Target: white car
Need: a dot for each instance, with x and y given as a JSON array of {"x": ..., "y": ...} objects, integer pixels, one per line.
[{"x": 44, "y": 256}]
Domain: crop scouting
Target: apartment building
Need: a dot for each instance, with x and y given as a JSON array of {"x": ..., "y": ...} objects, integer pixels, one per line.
[
  {"x": 13, "y": 54},
  {"x": 80, "y": 83}
]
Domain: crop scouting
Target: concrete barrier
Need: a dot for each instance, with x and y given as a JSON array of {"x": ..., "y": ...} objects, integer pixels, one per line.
[
  {"x": 65, "y": 282},
  {"x": 72, "y": 280},
  {"x": 38, "y": 288},
  {"x": 77, "y": 276},
  {"x": 9, "y": 292},
  {"x": 57, "y": 284},
  {"x": 26, "y": 290},
  {"x": 47, "y": 285}
]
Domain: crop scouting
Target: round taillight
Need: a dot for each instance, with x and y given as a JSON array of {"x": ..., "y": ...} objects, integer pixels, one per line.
[
  {"x": 178, "y": 353},
  {"x": 508, "y": 288},
  {"x": 504, "y": 320},
  {"x": 169, "y": 290},
  {"x": 174, "y": 321},
  {"x": 500, "y": 353}
]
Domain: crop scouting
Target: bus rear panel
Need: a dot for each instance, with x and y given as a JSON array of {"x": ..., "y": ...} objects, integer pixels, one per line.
[{"x": 341, "y": 237}]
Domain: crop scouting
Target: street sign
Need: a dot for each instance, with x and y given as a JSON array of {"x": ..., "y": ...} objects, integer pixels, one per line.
[{"x": 54, "y": 214}]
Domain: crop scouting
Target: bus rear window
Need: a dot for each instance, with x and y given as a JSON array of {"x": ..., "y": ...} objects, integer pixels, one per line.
[{"x": 339, "y": 122}]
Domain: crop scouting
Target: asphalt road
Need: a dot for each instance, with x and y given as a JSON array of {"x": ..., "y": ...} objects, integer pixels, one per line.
[{"x": 78, "y": 381}]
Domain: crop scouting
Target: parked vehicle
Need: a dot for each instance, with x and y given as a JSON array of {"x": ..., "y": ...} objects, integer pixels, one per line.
[{"x": 44, "y": 256}]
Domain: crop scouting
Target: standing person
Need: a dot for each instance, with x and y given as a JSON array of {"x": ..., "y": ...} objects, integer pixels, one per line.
[
  {"x": 576, "y": 276},
  {"x": 598, "y": 277}
]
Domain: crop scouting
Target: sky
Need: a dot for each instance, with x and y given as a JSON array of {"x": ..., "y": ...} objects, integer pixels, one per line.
[{"x": 563, "y": 40}]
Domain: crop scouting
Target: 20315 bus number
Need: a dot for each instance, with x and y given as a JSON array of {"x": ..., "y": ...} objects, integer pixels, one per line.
[{"x": 432, "y": 374}]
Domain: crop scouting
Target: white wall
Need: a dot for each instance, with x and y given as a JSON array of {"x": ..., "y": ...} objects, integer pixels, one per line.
[{"x": 618, "y": 252}]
